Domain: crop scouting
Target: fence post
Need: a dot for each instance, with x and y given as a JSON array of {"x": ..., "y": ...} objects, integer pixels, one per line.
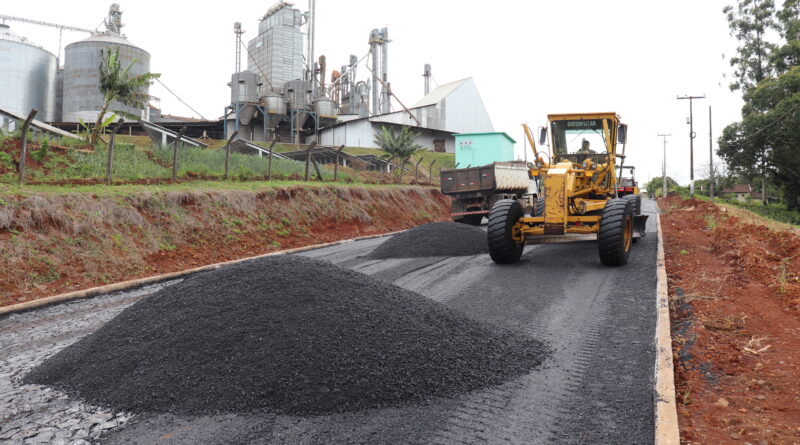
[
  {"x": 316, "y": 168},
  {"x": 430, "y": 171},
  {"x": 228, "y": 155},
  {"x": 271, "y": 146},
  {"x": 175, "y": 154},
  {"x": 24, "y": 148},
  {"x": 111, "y": 138},
  {"x": 308, "y": 157},
  {"x": 336, "y": 166},
  {"x": 416, "y": 169}
]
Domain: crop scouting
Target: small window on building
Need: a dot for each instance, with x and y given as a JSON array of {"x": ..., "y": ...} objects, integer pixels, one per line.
[{"x": 438, "y": 145}]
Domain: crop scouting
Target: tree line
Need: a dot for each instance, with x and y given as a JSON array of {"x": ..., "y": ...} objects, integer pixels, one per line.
[{"x": 764, "y": 147}]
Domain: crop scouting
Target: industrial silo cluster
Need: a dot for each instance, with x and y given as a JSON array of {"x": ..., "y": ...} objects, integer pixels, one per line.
[
  {"x": 283, "y": 92},
  {"x": 31, "y": 78},
  {"x": 276, "y": 93},
  {"x": 279, "y": 88}
]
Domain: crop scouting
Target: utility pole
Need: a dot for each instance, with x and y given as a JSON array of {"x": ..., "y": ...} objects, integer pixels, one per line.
[
  {"x": 710, "y": 158},
  {"x": 664, "y": 164},
  {"x": 692, "y": 135}
]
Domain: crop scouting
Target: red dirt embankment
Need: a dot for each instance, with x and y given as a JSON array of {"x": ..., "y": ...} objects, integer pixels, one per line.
[
  {"x": 55, "y": 243},
  {"x": 735, "y": 301}
]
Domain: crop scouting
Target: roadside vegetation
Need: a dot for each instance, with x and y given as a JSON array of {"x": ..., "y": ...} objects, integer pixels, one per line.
[
  {"x": 56, "y": 239},
  {"x": 136, "y": 159},
  {"x": 65, "y": 160}
]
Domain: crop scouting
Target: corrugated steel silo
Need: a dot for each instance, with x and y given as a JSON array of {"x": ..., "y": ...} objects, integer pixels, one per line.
[
  {"x": 278, "y": 48},
  {"x": 27, "y": 76},
  {"x": 82, "y": 97}
]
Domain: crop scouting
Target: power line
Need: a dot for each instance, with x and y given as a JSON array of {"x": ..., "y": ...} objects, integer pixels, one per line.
[
  {"x": 182, "y": 101},
  {"x": 777, "y": 120}
]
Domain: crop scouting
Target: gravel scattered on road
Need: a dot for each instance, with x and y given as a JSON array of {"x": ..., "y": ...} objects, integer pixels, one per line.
[
  {"x": 434, "y": 239},
  {"x": 291, "y": 334}
]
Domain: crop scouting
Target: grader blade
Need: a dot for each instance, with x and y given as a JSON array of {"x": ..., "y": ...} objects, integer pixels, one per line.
[{"x": 640, "y": 224}]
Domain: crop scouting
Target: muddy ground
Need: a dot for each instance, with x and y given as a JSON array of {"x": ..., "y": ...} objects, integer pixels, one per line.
[{"x": 734, "y": 291}]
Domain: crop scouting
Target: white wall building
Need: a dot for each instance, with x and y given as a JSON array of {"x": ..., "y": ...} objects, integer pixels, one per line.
[{"x": 452, "y": 108}]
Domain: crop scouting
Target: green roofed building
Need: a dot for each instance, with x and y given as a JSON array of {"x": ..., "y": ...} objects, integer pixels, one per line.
[{"x": 474, "y": 149}]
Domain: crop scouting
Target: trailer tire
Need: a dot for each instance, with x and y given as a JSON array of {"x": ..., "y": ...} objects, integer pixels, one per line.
[
  {"x": 538, "y": 208},
  {"x": 616, "y": 232},
  {"x": 500, "y": 231}
]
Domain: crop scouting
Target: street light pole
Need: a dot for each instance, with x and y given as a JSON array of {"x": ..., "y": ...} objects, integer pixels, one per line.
[
  {"x": 664, "y": 164},
  {"x": 692, "y": 135}
]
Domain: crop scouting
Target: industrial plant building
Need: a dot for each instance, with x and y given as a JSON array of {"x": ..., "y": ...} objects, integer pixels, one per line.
[
  {"x": 452, "y": 108},
  {"x": 285, "y": 93}
]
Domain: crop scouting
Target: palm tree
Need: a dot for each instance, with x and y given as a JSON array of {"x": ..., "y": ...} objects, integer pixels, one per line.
[
  {"x": 399, "y": 146},
  {"x": 118, "y": 85}
]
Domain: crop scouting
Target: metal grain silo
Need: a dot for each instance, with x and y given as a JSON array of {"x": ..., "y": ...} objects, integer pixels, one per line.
[
  {"x": 27, "y": 76},
  {"x": 244, "y": 92},
  {"x": 82, "y": 97}
]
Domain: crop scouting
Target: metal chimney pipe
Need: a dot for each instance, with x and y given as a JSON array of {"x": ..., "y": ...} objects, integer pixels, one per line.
[
  {"x": 374, "y": 38},
  {"x": 385, "y": 93},
  {"x": 427, "y": 75}
]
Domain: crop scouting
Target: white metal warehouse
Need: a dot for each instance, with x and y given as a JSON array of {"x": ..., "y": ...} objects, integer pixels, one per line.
[{"x": 451, "y": 108}]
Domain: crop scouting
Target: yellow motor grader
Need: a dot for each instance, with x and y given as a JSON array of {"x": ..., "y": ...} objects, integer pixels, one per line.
[{"x": 578, "y": 195}]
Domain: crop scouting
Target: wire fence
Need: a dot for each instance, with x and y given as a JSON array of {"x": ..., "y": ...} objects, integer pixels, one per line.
[{"x": 28, "y": 157}]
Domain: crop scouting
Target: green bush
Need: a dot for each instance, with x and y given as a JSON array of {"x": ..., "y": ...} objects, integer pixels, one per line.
[
  {"x": 41, "y": 153},
  {"x": 6, "y": 159},
  {"x": 778, "y": 212}
]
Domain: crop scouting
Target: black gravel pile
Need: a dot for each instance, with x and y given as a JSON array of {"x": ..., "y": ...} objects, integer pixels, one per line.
[
  {"x": 434, "y": 239},
  {"x": 289, "y": 334}
]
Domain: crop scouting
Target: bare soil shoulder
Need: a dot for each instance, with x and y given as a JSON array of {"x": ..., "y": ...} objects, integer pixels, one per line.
[{"x": 734, "y": 287}]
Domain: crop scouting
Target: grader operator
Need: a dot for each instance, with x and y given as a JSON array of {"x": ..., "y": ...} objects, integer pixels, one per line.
[{"x": 578, "y": 192}]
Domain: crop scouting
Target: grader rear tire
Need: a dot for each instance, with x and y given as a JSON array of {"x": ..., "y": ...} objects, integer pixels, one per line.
[
  {"x": 637, "y": 203},
  {"x": 637, "y": 207},
  {"x": 616, "y": 232},
  {"x": 502, "y": 218}
]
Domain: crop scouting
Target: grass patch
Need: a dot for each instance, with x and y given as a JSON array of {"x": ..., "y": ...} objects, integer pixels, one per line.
[{"x": 128, "y": 190}]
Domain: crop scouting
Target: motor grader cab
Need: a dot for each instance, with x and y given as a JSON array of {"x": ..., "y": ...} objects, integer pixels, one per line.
[{"x": 579, "y": 199}]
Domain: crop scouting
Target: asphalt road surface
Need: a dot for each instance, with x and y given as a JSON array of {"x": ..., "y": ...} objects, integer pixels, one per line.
[{"x": 595, "y": 387}]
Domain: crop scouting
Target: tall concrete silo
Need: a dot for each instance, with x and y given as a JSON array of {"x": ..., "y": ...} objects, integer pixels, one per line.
[
  {"x": 27, "y": 76},
  {"x": 82, "y": 96}
]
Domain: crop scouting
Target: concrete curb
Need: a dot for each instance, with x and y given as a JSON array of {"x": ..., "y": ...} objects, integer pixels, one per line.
[
  {"x": 666, "y": 415},
  {"x": 130, "y": 284}
]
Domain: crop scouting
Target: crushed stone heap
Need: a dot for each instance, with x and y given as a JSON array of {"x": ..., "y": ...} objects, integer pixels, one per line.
[
  {"x": 434, "y": 239},
  {"x": 289, "y": 334}
]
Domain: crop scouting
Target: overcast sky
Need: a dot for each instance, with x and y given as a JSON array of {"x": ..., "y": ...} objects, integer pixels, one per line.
[{"x": 528, "y": 58}]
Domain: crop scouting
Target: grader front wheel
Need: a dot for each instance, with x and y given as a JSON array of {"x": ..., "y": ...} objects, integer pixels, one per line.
[
  {"x": 500, "y": 231},
  {"x": 616, "y": 232}
]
